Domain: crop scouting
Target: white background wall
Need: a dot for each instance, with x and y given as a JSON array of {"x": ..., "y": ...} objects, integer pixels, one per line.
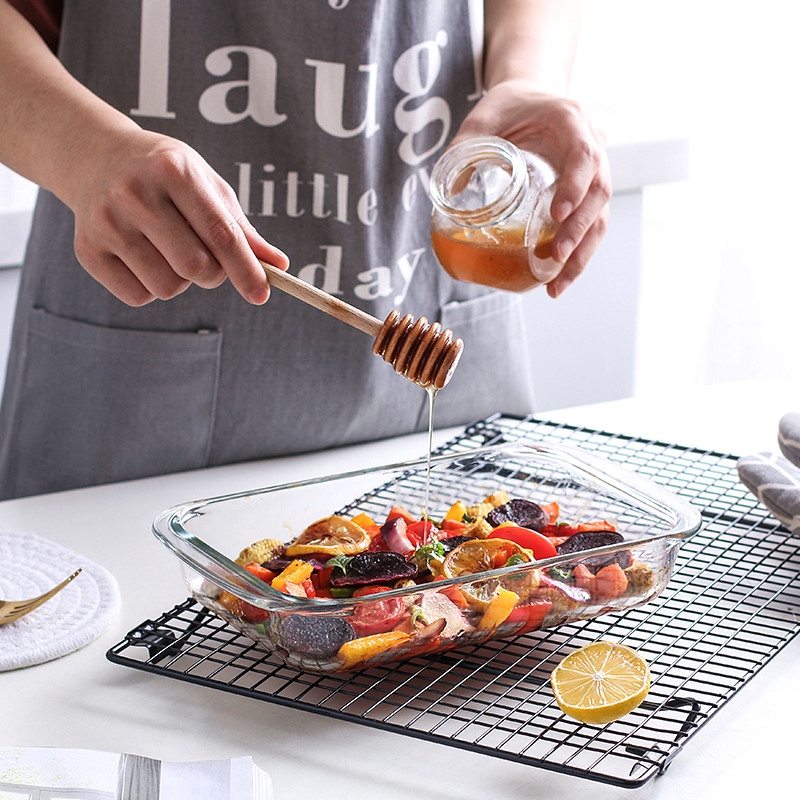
[{"x": 721, "y": 285}]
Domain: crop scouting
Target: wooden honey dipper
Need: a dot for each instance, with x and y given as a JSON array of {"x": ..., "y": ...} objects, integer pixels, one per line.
[{"x": 422, "y": 352}]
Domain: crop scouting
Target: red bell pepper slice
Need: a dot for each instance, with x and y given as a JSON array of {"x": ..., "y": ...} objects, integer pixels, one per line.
[
  {"x": 399, "y": 511},
  {"x": 541, "y": 546},
  {"x": 420, "y": 531},
  {"x": 552, "y": 510},
  {"x": 453, "y": 594},
  {"x": 262, "y": 573},
  {"x": 529, "y": 616},
  {"x": 452, "y": 527}
]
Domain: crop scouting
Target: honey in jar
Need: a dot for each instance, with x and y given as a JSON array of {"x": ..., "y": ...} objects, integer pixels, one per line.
[{"x": 491, "y": 221}]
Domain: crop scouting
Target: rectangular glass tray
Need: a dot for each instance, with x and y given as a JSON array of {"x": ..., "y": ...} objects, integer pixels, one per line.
[
  {"x": 633, "y": 563},
  {"x": 731, "y": 605}
]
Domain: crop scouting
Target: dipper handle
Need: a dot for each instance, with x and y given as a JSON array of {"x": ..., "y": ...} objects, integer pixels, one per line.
[{"x": 422, "y": 352}]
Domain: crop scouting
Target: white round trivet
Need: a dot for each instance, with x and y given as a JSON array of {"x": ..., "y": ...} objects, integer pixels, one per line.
[{"x": 77, "y": 615}]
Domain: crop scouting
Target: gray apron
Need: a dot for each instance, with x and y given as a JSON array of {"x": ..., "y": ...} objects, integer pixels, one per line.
[{"x": 326, "y": 117}]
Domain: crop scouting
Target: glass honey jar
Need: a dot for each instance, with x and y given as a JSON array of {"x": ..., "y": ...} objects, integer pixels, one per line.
[{"x": 491, "y": 220}]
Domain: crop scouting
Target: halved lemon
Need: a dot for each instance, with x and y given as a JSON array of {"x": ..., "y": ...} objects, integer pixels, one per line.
[
  {"x": 335, "y": 536},
  {"x": 600, "y": 682}
]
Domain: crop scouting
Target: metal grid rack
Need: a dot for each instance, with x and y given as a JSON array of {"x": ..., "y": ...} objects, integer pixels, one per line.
[{"x": 732, "y": 604}]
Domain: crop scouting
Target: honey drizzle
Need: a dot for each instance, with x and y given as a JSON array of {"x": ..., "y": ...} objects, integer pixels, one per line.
[{"x": 432, "y": 391}]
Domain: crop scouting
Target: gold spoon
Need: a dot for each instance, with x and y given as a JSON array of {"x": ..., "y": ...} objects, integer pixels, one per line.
[{"x": 11, "y": 610}]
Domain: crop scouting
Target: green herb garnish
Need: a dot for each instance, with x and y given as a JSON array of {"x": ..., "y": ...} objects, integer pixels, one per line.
[
  {"x": 563, "y": 574},
  {"x": 340, "y": 561},
  {"x": 433, "y": 550}
]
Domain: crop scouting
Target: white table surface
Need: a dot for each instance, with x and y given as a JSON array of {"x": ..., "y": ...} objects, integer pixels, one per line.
[{"x": 83, "y": 700}]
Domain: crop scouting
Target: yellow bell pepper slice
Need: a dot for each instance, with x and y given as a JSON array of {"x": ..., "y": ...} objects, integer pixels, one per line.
[
  {"x": 296, "y": 572},
  {"x": 364, "y": 520},
  {"x": 456, "y": 511},
  {"x": 365, "y": 647},
  {"x": 501, "y": 604}
]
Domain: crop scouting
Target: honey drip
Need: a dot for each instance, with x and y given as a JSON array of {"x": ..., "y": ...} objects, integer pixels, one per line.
[{"x": 431, "y": 390}]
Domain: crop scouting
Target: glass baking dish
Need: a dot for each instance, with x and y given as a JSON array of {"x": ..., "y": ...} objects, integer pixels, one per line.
[{"x": 320, "y": 634}]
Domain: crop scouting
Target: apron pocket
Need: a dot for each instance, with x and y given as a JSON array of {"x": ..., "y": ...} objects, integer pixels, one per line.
[
  {"x": 98, "y": 405},
  {"x": 494, "y": 373}
]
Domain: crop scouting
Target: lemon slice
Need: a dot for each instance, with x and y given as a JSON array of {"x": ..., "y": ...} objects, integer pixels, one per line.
[
  {"x": 336, "y": 536},
  {"x": 480, "y": 555},
  {"x": 600, "y": 682}
]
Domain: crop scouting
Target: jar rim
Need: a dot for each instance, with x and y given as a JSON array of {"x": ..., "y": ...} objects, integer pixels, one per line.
[{"x": 458, "y": 164}]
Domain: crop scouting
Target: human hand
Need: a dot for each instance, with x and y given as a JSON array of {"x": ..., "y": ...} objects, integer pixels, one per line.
[
  {"x": 557, "y": 129},
  {"x": 152, "y": 218}
]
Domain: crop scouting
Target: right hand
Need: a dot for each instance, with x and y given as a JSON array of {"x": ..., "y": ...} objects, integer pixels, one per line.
[
  {"x": 152, "y": 218},
  {"x": 558, "y": 129}
]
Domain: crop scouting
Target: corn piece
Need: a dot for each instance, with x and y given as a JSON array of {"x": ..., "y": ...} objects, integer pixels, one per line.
[{"x": 497, "y": 498}]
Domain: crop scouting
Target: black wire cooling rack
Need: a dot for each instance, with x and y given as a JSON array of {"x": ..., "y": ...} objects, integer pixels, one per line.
[{"x": 732, "y": 604}]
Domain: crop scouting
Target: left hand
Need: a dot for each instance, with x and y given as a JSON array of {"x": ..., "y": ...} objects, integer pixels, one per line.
[{"x": 557, "y": 129}]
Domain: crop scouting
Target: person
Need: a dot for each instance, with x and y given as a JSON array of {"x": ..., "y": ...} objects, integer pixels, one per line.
[{"x": 178, "y": 144}]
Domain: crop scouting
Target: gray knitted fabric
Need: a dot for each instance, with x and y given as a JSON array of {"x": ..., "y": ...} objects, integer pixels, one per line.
[
  {"x": 789, "y": 437},
  {"x": 775, "y": 479}
]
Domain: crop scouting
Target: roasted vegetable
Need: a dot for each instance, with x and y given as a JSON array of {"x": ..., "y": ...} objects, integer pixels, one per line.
[
  {"x": 261, "y": 551},
  {"x": 587, "y": 540},
  {"x": 372, "y": 568},
  {"x": 314, "y": 634},
  {"x": 333, "y": 535},
  {"x": 524, "y": 513}
]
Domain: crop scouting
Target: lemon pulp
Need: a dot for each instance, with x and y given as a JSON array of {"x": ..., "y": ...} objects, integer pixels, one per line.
[{"x": 600, "y": 682}]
